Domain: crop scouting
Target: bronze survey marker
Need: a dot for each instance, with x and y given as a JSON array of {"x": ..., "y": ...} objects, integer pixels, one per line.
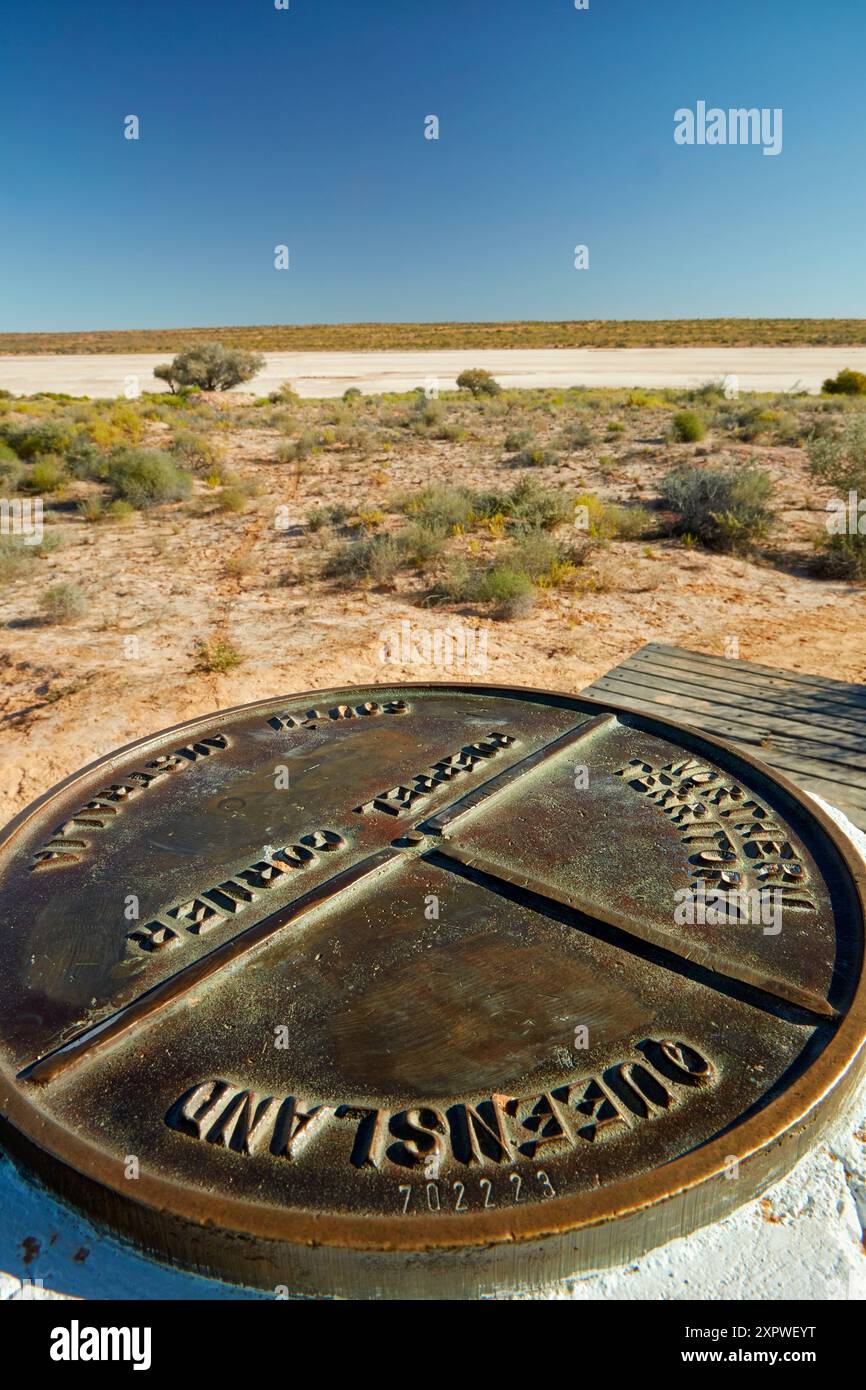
[{"x": 422, "y": 990}]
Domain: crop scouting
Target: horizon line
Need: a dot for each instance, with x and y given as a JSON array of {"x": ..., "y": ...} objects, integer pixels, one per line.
[{"x": 434, "y": 323}]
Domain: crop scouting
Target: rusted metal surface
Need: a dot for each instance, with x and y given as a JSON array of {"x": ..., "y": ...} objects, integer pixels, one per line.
[{"x": 422, "y": 991}]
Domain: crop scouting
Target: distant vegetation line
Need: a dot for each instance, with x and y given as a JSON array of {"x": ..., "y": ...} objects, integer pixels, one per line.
[{"x": 404, "y": 337}]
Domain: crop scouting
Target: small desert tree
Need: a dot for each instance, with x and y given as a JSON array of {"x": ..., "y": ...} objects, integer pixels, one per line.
[
  {"x": 479, "y": 382},
  {"x": 845, "y": 383},
  {"x": 210, "y": 367}
]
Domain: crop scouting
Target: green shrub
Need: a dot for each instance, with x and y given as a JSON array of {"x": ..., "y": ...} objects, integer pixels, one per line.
[
  {"x": 11, "y": 473},
  {"x": 356, "y": 438},
  {"x": 609, "y": 521},
  {"x": 577, "y": 435},
  {"x": 46, "y": 475},
  {"x": 688, "y": 426},
  {"x": 338, "y": 513},
  {"x": 508, "y": 583},
  {"x": 378, "y": 558},
  {"x": 113, "y": 424},
  {"x": 91, "y": 510},
  {"x": 63, "y": 603},
  {"x": 843, "y": 557},
  {"x": 15, "y": 558},
  {"x": 839, "y": 459},
  {"x": 526, "y": 506},
  {"x": 510, "y": 591},
  {"x": 425, "y": 413},
  {"x": 537, "y": 555},
  {"x": 232, "y": 499},
  {"x": 516, "y": 440},
  {"x": 750, "y": 423},
  {"x": 441, "y": 505},
  {"x": 120, "y": 510},
  {"x": 85, "y": 461},
  {"x": 421, "y": 544},
  {"x": 536, "y": 457},
  {"x": 458, "y": 582},
  {"x": 210, "y": 367},
  {"x": 725, "y": 510},
  {"x": 531, "y": 506},
  {"x": 478, "y": 382},
  {"x": 710, "y": 393},
  {"x": 161, "y": 404},
  {"x": 146, "y": 477},
  {"x": 296, "y": 450},
  {"x": 757, "y": 421},
  {"x": 632, "y": 523},
  {"x": 41, "y": 437},
  {"x": 195, "y": 448},
  {"x": 845, "y": 383},
  {"x": 786, "y": 428},
  {"x": 216, "y": 655},
  {"x": 285, "y": 395},
  {"x": 351, "y": 393}
]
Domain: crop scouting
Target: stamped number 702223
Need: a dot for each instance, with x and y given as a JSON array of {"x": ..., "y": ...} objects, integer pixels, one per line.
[{"x": 437, "y": 1197}]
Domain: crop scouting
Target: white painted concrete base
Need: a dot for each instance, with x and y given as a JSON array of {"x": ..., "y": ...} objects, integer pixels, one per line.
[{"x": 803, "y": 1240}]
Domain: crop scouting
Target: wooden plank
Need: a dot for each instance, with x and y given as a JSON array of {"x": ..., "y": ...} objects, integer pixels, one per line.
[
  {"x": 755, "y": 688},
  {"x": 808, "y": 720},
  {"x": 845, "y": 689},
  {"x": 644, "y": 669},
  {"x": 810, "y": 728},
  {"x": 756, "y": 728}
]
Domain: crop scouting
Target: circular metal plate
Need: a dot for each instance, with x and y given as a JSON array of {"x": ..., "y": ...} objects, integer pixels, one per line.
[{"x": 422, "y": 991}]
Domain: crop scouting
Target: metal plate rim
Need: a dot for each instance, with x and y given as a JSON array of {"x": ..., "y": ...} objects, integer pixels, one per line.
[{"x": 565, "y": 1214}]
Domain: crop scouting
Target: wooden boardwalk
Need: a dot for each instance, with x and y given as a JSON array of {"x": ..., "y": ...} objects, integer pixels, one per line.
[{"x": 810, "y": 728}]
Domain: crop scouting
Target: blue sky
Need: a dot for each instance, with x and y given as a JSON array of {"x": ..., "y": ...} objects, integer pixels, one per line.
[{"x": 306, "y": 127}]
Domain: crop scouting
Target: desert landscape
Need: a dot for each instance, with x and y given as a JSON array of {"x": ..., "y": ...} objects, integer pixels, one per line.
[
  {"x": 352, "y": 350},
  {"x": 208, "y": 547}
]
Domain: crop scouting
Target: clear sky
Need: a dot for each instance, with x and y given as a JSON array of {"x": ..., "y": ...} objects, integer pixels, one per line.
[{"x": 305, "y": 127}]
